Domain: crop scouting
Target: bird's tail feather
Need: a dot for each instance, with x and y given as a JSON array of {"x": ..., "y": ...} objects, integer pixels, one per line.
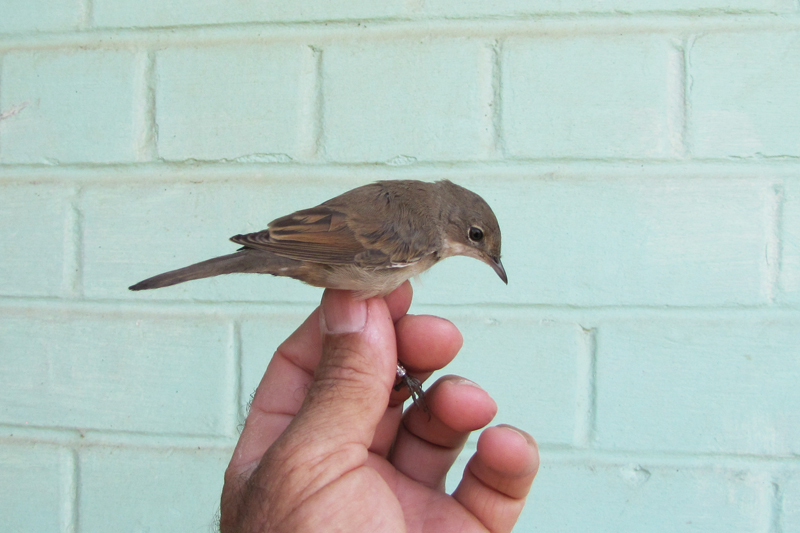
[{"x": 242, "y": 261}]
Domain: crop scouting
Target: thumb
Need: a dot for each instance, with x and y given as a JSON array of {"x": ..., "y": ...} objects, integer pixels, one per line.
[
  {"x": 353, "y": 380},
  {"x": 356, "y": 370},
  {"x": 331, "y": 433}
]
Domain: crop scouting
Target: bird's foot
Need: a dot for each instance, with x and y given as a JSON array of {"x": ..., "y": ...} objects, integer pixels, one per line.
[{"x": 414, "y": 387}]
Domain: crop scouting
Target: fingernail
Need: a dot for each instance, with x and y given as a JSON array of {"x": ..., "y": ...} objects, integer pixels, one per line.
[{"x": 341, "y": 313}]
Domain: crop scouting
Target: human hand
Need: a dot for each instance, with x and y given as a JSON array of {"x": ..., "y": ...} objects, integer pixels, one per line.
[{"x": 326, "y": 446}]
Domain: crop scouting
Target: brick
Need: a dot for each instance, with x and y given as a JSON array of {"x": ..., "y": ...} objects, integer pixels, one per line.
[
  {"x": 134, "y": 232},
  {"x": 32, "y": 221},
  {"x": 633, "y": 498},
  {"x": 72, "y": 106},
  {"x": 183, "y": 12},
  {"x": 40, "y": 15},
  {"x": 34, "y": 487},
  {"x": 230, "y": 101},
  {"x": 699, "y": 386},
  {"x": 586, "y": 97},
  {"x": 508, "y": 8},
  {"x": 528, "y": 365},
  {"x": 116, "y": 373},
  {"x": 418, "y": 99},
  {"x": 150, "y": 490},
  {"x": 744, "y": 95},
  {"x": 614, "y": 241}
]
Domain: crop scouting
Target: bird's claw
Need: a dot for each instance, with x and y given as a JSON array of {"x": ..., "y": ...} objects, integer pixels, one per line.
[{"x": 414, "y": 387}]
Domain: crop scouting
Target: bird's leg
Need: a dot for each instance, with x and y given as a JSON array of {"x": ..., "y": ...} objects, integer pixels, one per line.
[{"x": 414, "y": 387}]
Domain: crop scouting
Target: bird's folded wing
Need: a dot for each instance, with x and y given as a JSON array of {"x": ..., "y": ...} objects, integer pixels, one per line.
[{"x": 319, "y": 235}]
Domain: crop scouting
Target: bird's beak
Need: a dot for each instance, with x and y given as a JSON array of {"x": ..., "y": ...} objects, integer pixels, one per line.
[{"x": 495, "y": 263}]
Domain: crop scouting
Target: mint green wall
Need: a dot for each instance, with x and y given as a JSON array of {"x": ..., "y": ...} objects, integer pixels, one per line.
[{"x": 642, "y": 158}]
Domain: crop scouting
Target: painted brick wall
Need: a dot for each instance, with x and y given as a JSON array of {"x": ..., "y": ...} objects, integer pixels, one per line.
[{"x": 643, "y": 158}]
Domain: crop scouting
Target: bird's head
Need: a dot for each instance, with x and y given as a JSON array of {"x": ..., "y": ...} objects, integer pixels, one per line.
[{"x": 471, "y": 228}]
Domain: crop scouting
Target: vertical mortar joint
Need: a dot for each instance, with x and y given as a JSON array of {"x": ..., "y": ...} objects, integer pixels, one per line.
[
  {"x": 677, "y": 99},
  {"x": 586, "y": 389},
  {"x": 72, "y": 263},
  {"x": 773, "y": 245},
  {"x": 776, "y": 508},
  {"x": 498, "y": 138},
  {"x": 235, "y": 376},
  {"x": 87, "y": 14},
  {"x": 146, "y": 128},
  {"x": 311, "y": 118}
]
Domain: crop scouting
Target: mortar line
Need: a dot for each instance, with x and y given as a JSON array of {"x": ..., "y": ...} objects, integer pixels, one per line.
[
  {"x": 776, "y": 508},
  {"x": 71, "y": 511},
  {"x": 688, "y": 138},
  {"x": 325, "y": 31},
  {"x": 120, "y": 308},
  {"x": 498, "y": 135},
  {"x": 586, "y": 401},
  {"x": 310, "y": 132},
  {"x": 676, "y": 96},
  {"x": 757, "y": 464},
  {"x": 773, "y": 246},
  {"x": 81, "y": 439},
  {"x": 320, "y": 114},
  {"x": 76, "y": 441},
  {"x": 145, "y": 108},
  {"x": 87, "y": 14},
  {"x": 686, "y": 100},
  {"x": 72, "y": 263},
  {"x": 484, "y": 74},
  {"x": 2, "y": 111},
  {"x": 582, "y": 170},
  {"x": 235, "y": 354}
]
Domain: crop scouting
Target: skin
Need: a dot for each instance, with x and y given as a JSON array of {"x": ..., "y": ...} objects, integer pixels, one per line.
[{"x": 327, "y": 447}]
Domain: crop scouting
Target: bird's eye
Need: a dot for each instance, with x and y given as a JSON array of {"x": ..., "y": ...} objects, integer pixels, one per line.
[{"x": 475, "y": 234}]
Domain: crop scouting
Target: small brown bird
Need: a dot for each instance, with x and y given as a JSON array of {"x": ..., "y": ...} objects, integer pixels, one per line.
[{"x": 368, "y": 240}]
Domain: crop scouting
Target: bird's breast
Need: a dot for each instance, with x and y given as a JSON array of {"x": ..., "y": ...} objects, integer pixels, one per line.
[{"x": 368, "y": 281}]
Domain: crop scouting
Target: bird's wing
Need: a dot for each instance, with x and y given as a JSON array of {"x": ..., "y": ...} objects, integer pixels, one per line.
[{"x": 320, "y": 235}]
